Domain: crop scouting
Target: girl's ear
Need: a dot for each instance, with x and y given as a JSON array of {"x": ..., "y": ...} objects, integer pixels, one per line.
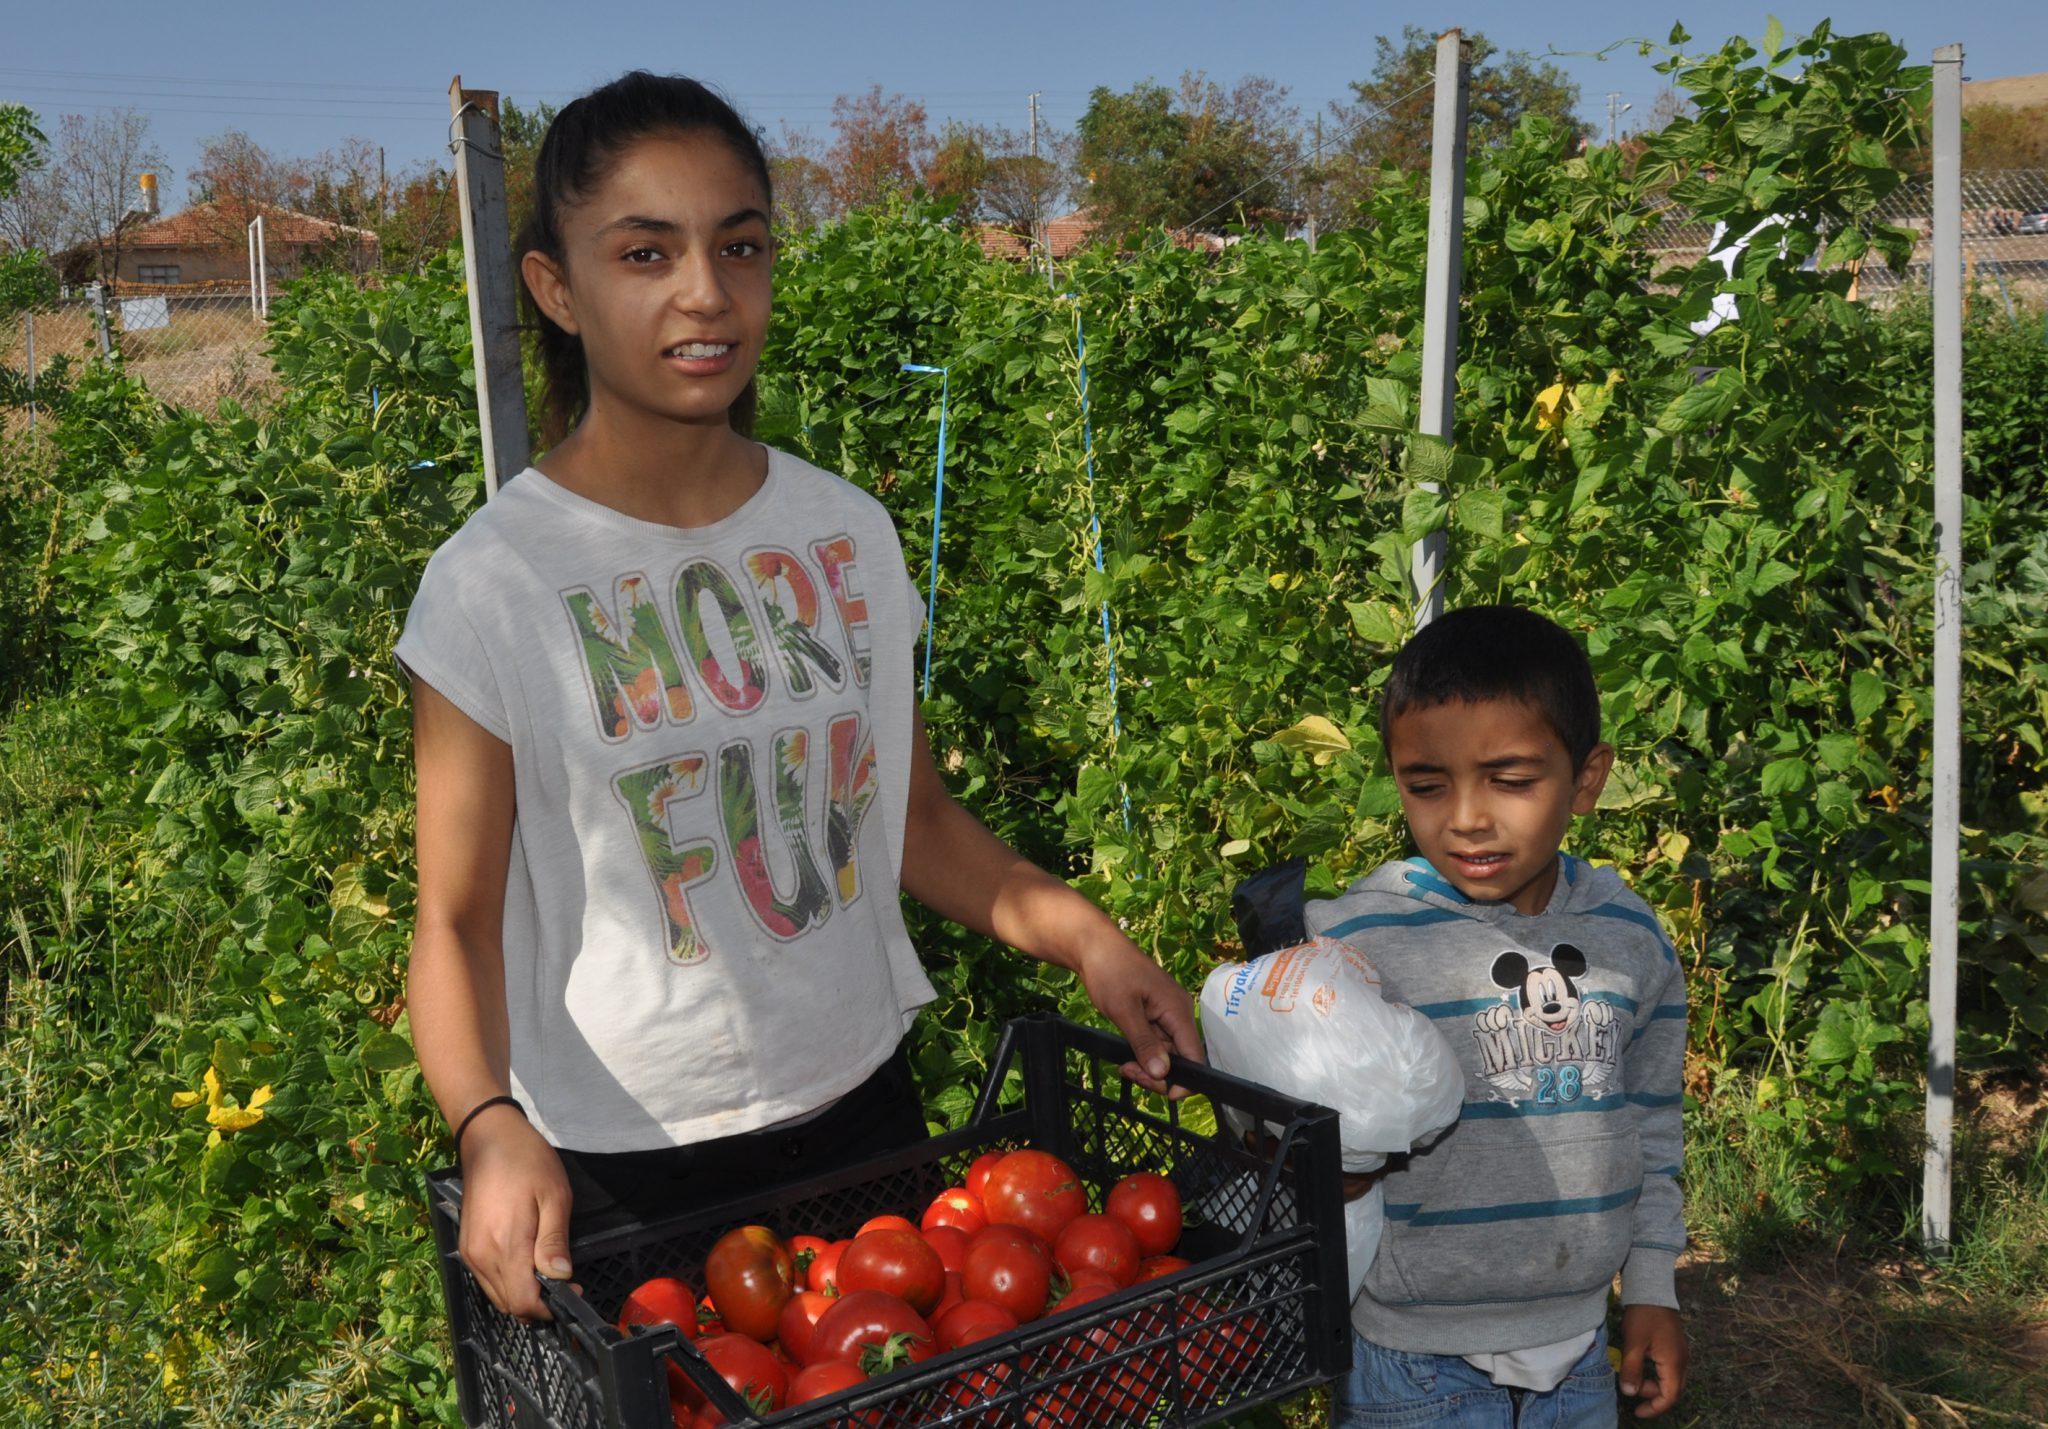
[{"x": 549, "y": 286}]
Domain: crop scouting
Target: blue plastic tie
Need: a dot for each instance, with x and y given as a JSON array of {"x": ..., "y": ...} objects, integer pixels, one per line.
[
  {"x": 931, "y": 614},
  {"x": 1116, "y": 718}
]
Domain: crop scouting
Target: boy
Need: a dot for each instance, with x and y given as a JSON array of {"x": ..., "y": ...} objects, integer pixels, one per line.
[{"x": 1487, "y": 1303}]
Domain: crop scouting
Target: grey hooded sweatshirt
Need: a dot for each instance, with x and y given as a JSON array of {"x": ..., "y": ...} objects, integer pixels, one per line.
[{"x": 1562, "y": 1169}]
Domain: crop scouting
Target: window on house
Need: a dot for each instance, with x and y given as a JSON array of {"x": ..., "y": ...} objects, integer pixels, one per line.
[{"x": 157, "y": 272}]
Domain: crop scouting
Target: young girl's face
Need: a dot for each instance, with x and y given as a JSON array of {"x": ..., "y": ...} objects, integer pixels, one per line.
[{"x": 668, "y": 277}]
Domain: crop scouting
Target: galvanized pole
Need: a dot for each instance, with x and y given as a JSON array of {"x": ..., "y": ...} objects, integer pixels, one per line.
[
  {"x": 99, "y": 317},
  {"x": 1946, "y": 283},
  {"x": 28, "y": 323},
  {"x": 1441, "y": 290},
  {"x": 493, "y": 300},
  {"x": 262, "y": 269},
  {"x": 249, "y": 234}
]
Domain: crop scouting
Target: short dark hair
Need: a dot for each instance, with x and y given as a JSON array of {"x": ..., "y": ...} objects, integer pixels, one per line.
[
  {"x": 581, "y": 144},
  {"x": 1497, "y": 652}
]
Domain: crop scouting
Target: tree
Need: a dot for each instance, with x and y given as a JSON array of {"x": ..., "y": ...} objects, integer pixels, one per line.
[
  {"x": 1022, "y": 190},
  {"x": 882, "y": 146},
  {"x": 99, "y": 163},
  {"x": 958, "y": 167},
  {"x": 422, "y": 220},
  {"x": 803, "y": 185},
  {"x": 345, "y": 184},
  {"x": 237, "y": 178},
  {"x": 520, "y": 132},
  {"x": 20, "y": 144},
  {"x": 1389, "y": 120},
  {"x": 1157, "y": 156}
]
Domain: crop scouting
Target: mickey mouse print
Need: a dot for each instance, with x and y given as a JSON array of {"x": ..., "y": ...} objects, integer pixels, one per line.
[{"x": 1546, "y": 1040}]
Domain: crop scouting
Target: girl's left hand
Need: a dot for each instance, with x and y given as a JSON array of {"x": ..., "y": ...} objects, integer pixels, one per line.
[{"x": 1154, "y": 1012}]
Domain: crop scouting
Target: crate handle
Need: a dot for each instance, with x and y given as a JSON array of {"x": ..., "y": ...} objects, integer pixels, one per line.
[{"x": 986, "y": 1104}]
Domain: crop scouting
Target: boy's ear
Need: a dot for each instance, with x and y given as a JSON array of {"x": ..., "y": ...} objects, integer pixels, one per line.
[
  {"x": 549, "y": 286},
  {"x": 1592, "y": 778}
]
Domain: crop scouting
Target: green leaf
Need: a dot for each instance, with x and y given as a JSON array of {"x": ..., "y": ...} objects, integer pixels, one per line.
[
  {"x": 1866, "y": 695},
  {"x": 1481, "y": 512},
  {"x": 1786, "y": 776},
  {"x": 386, "y": 1052},
  {"x": 1375, "y": 621}
]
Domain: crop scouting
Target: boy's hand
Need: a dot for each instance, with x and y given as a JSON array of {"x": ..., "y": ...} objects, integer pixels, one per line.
[
  {"x": 1151, "y": 1009},
  {"x": 1655, "y": 1332}
]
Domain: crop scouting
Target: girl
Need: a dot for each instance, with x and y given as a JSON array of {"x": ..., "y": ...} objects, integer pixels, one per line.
[{"x": 671, "y": 769}]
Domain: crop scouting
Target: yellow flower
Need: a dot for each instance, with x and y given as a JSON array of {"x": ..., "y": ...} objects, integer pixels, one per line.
[{"x": 227, "y": 1118}]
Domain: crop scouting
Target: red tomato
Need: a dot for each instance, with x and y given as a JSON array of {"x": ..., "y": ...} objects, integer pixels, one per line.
[
  {"x": 1122, "y": 1387},
  {"x": 955, "y": 1294},
  {"x": 959, "y": 1208},
  {"x": 746, "y": 1365},
  {"x": 974, "y": 1388},
  {"x": 804, "y": 1249},
  {"x": 951, "y": 1243},
  {"x": 883, "y": 1223},
  {"x": 864, "y": 1321},
  {"x": 1161, "y": 1265},
  {"x": 749, "y": 1273},
  {"x": 824, "y": 1274},
  {"x": 799, "y": 1316},
  {"x": 1085, "y": 1278},
  {"x": 663, "y": 1300},
  {"x": 823, "y": 1378},
  {"x": 972, "y": 1320},
  {"x": 1219, "y": 1351},
  {"x": 1101, "y": 1243},
  {"x": 1010, "y": 1270},
  {"x": 897, "y": 1262},
  {"x": 977, "y": 1174},
  {"x": 1150, "y": 1206},
  {"x": 1035, "y": 1190},
  {"x": 1016, "y": 1235}
]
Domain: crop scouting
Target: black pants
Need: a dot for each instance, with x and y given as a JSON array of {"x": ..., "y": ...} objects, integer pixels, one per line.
[{"x": 619, "y": 1187}]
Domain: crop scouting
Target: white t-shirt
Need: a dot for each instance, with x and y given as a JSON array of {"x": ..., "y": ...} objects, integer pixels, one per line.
[{"x": 710, "y": 731}]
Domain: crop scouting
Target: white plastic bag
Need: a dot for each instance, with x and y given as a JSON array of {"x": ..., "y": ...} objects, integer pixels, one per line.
[{"x": 1310, "y": 1022}]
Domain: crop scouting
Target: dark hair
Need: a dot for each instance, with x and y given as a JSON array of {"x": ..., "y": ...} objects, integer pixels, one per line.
[
  {"x": 1497, "y": 652},
  {"x": 580, "y": 145}
]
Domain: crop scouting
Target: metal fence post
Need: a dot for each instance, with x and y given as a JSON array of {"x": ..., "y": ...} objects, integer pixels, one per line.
[
  {"x": 1441, "y": 291},
  {"x": 487, "y": 264},
  {"x": 1945, "y": 281},
  {"x": 99, "y": 321},
  {"x": 28, "y": 327}
]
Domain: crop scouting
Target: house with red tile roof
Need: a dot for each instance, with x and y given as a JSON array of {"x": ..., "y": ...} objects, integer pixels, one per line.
[
  {"x": 209, "y": 243},
  {"x": 1072, "y": 231}
]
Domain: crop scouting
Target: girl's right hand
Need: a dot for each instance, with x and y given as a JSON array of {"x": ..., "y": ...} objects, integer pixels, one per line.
[{"x": 515, "y": 1212}]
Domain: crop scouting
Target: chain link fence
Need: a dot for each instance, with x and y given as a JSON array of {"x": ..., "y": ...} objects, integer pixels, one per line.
[
  {"x": 2004, "y": 239},
  {"x": 191, "y": 345}
]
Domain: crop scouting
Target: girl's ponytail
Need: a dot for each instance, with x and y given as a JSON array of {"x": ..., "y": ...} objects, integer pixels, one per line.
[{"x": 580, "y": 144}]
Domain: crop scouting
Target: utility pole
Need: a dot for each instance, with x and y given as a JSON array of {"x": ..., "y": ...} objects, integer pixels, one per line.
[
  {"x": 383, "y": 209},
  {"x": 1034, "y": 121},
  {"x": 1614, "y": 114},
  {"x": 1315, "y": 178}
]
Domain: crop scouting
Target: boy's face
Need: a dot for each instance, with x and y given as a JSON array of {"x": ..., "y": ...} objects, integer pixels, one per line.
[{"x": 1489, "y": 790}]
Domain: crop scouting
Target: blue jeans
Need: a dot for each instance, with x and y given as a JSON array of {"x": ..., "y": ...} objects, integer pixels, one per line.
[{"x": 1392, "y": 1389}]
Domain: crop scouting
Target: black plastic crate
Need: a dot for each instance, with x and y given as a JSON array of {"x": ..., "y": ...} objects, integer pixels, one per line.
[{"x": 1260, "y": 1315}]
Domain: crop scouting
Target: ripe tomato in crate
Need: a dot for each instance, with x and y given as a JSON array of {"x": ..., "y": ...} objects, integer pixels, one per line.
[{"x": 1249, "y": 1307}]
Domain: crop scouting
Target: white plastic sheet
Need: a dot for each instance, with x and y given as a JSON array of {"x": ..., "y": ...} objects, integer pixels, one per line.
[{"x": 1311, "y": 1021}]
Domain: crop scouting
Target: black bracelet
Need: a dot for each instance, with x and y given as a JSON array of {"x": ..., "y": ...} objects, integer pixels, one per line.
[{"x": 483, "y": 1106}]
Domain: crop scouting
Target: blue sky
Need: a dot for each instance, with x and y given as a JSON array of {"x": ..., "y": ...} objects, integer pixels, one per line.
[{"x": 300, "y": 77}]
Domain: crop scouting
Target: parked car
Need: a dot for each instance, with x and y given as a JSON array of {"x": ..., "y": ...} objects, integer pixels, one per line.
[{"x": 2035, "y": 221}]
